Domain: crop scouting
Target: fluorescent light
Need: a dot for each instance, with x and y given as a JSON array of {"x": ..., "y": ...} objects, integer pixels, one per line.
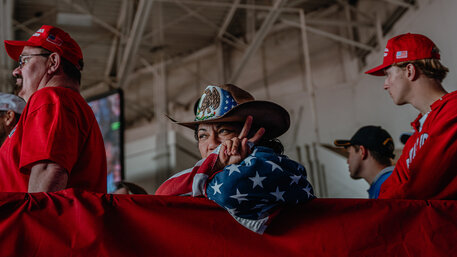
[{"x": 74, "y": 19}]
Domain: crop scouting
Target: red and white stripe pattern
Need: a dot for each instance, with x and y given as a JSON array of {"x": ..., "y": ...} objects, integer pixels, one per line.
[{"x": 192, "y": 181}]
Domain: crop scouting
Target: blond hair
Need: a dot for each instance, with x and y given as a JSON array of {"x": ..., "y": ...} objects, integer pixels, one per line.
[{"x": 431, "y": 68}]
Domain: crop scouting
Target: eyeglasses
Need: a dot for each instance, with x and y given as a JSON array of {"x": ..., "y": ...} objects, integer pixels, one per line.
[{"x": 24, "y": 58}]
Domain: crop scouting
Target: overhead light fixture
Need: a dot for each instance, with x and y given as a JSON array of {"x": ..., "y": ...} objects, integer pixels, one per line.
[{"x": 74, "y": 19}]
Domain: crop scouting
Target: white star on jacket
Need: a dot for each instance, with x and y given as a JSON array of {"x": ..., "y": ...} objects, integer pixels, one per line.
[
  {"x": 239, "y": 196},
  {"x": 217, "y": 187},
  {"x": 295, "y": 179},
  {"x": 233, "y": 168},
  {"x": 257, "y": 180},
  {"x": 274, "y": 166},
  {"x": 248, "y": 160},
  {"x": 278, "y": 194},
  {"x": 307, "y": 189}
]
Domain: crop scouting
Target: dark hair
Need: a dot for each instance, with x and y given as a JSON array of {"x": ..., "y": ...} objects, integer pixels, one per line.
[
  {"x": 133, "y": 188},
  {"x": 274, "y": 144},
  {"x": 69, "y": 68},
  {"x": 71, "y": 71},
  {"x": 381, "y": 158}
]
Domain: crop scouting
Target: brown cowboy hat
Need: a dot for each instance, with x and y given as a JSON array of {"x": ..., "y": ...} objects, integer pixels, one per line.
[{"x": 229, "y": 103}]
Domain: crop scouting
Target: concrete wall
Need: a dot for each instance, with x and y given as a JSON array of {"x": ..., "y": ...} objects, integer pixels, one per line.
[{"x": 346, "y": 99}]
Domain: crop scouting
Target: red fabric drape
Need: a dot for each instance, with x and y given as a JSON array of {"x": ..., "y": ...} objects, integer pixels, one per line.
[{"x": 78, "y": 223}]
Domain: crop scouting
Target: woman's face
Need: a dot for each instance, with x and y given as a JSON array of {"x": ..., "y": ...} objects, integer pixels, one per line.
[{"x": 211, "y": 135}]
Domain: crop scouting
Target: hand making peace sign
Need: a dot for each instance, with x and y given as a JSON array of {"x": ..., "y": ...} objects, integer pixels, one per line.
[{"x": 233, "y": 151}]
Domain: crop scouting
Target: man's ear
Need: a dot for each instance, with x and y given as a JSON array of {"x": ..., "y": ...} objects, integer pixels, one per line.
[
  {"x": 363, "y": 152},
  {"x": 412, "y": 72},
  {"x": 9, "y": 117},
  {"x": 54, "y": 62}
]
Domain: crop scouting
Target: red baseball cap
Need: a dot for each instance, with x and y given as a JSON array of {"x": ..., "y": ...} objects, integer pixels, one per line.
[
  {"x": 406, "y": 47},
  {"x": 52, "y": 39}
]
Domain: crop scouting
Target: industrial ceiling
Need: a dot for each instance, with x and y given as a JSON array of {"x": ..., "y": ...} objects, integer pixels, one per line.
[{"x": 121, "y": 38}]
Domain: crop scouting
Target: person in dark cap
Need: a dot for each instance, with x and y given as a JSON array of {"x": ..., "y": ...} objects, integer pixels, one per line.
[
  {"x": 413, "y": 75},
  {"x": 11, "y": 108},
  {"x": 371, "y": 151},
  {"x": 243, "y": 167},
  {"x": 57, "y": 143}
]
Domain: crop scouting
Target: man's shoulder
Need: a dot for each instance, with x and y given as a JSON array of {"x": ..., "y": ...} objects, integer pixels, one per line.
[
  {"x": 54, "y": 95},
  {"x": 450, "y": 98},
  {"x": 446, "y": 106},
  {"x": 55, "y": 92}
]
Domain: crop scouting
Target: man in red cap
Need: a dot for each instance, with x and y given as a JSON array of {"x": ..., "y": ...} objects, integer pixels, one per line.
[
  {"x": 57, "y": 143},
  {"x": 427, "y": 168}
]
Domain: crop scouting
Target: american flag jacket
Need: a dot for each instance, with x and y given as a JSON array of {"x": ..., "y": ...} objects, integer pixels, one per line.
[{"x": 252, "y": 191}]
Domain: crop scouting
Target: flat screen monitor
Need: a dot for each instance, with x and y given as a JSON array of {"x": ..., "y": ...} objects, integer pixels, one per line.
[{"x": 108, "y": 110}]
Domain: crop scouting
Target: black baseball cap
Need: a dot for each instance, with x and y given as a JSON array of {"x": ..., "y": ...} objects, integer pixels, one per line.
[{"x": 374, "y": 138}]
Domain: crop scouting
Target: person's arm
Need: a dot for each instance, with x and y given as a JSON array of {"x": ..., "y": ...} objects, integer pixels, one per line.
[
  {"x": 47, "y": 177},
  {"x": 428, "y": 169}
]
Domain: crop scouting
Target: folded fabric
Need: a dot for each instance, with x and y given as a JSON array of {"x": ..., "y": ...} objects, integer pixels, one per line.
[{"x": 252, "y": 191}]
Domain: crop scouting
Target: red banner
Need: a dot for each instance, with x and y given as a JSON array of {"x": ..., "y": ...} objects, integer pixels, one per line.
[{"x": 75, "y": 223}]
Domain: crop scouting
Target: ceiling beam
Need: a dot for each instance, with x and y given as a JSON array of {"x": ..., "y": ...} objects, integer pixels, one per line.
[
  {"x": 239, "y": 45},
  {"x": 95, "y": 19},
  {"x": 227, "y": 5},
  {"x": 36, "y": 19},
  {"x": 115, "y": 43},
  {"x": 399, "y": 3},
  {"x": 352, "y": 8},
  {"x": 169, "y": 24},
  {"x": 339, "y": 23},
  {"x": 208, "y": 22},
  {"x": 329, "y": 35},
  {"x": 133, "y": 41},
  {"x": 257, "y": 41},
  {"x": 228, "y": 18},
  {"x": 23, "y": 27}
]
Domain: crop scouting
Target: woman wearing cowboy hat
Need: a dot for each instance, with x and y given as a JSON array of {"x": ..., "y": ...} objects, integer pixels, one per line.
[{"x": 242, "y": 171}]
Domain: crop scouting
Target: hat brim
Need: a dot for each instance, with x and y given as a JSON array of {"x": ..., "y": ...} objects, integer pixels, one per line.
[
  {"x": 378, "y": 71},
  {"x": 14, "y": 48},
  {"x": 274, "y": 118},
  {"x": 342, "y": 143}
]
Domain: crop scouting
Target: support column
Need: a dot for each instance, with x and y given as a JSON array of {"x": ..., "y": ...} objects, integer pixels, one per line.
[
  {"x": 250, "y": 21},
  {"x": 260, "y": 35},
  {"x": 159, "y": 90},
  {"x": 6, "y": 33},
  {"x": 379, "y": 32},
  {"x": 220, "y": 62},
  {"x": 315, "y": 166}
]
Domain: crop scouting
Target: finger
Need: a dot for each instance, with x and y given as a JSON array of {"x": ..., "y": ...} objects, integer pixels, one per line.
[
  {"x": 228, "y": 147},
  {"x": 235, "y": 146},
  {"x": 258, "y": 135},
  {"x": 222, "y": 154},
  {"x": 246, "y": 128},
  {"x": 245, "y": 150}
]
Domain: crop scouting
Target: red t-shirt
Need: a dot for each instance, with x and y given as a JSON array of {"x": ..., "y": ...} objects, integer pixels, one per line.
[
  {"x": 427, "y": 168},
  {"x": 59, "y": 126}
]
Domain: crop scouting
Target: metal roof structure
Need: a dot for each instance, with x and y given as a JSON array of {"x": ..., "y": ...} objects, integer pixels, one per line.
[{"x": 122, "y": 38}]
